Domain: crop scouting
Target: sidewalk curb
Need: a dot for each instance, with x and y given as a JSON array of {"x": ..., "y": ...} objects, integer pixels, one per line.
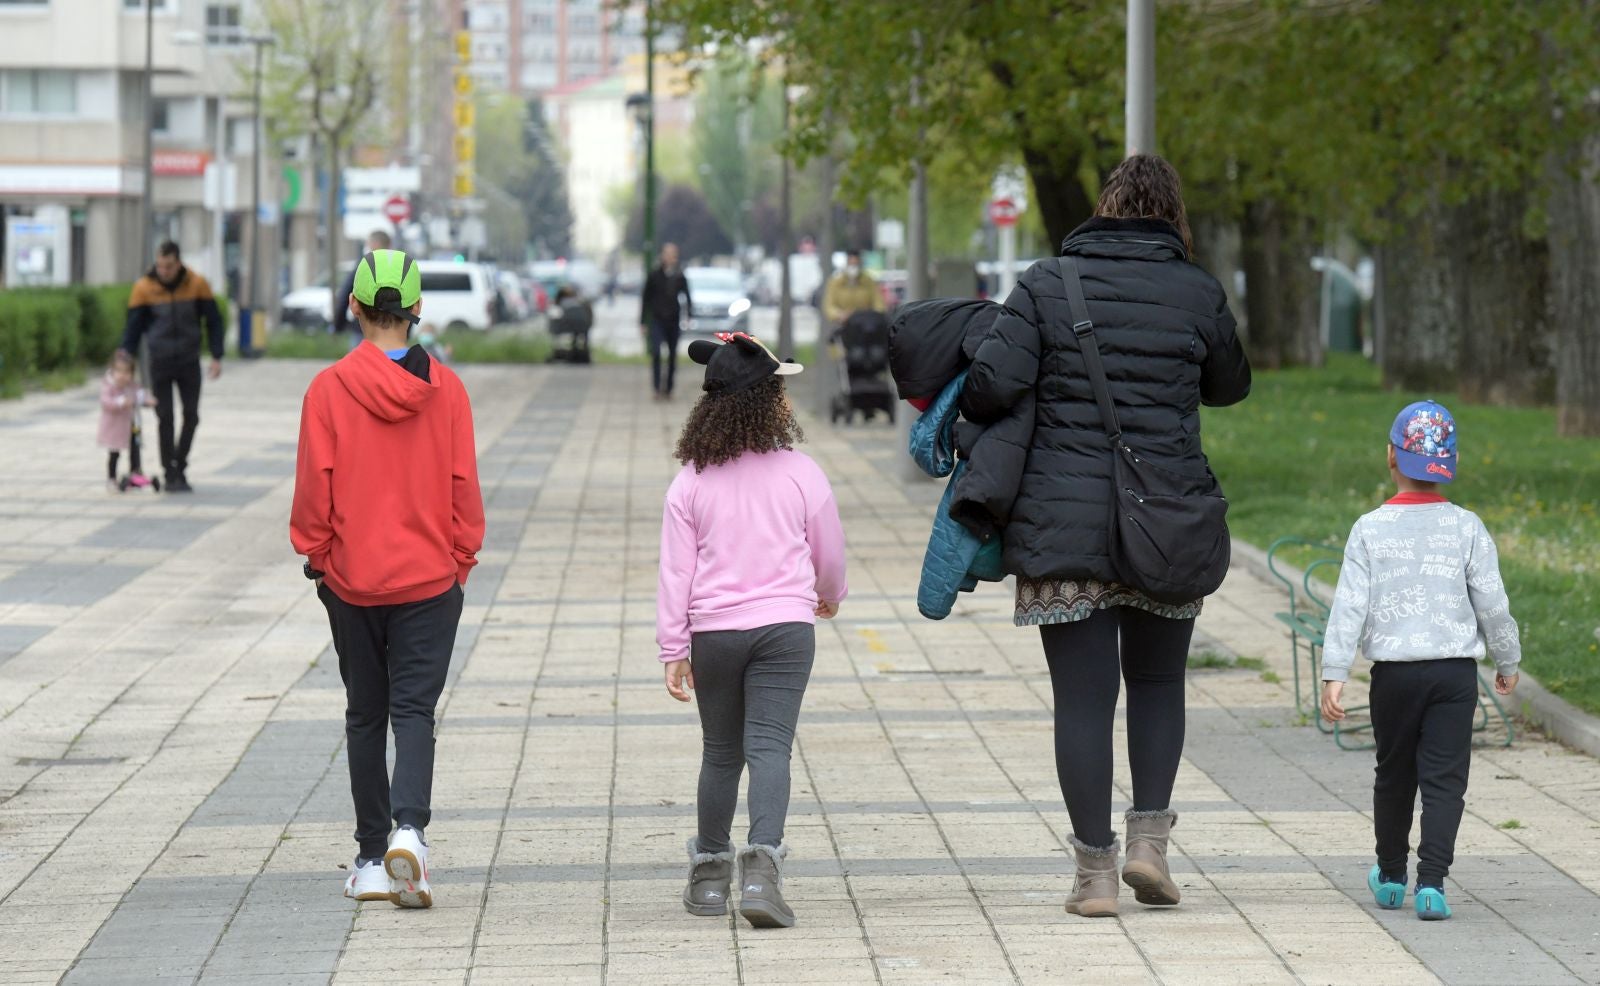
[{"x": 1535, "y": 704}]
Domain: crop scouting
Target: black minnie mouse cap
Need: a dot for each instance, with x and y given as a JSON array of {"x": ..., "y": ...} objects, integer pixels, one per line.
[{"x": 737, "y": 363}]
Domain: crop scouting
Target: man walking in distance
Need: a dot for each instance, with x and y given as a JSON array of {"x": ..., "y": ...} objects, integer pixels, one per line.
[
  {"x": 388, "y": 513},
  {"x": 661, "y": 316},
  {"x": 343, "y": 321},
  {"x": 166, "y": 310}
]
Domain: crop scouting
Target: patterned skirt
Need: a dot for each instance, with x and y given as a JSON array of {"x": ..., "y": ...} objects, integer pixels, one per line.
[{"x": 1041, "y": 602}]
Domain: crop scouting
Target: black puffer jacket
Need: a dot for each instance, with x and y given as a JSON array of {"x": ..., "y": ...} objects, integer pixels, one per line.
[
  {"x": 1169, "y": 345},
  {"x": 930, "y": 343}
]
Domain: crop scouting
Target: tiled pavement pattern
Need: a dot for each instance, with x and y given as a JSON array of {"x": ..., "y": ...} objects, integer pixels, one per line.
[{"x": 173, "y": 802}]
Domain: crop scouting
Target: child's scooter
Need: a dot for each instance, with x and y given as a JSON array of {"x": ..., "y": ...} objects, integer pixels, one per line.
[{"x": 136, "y": 479}]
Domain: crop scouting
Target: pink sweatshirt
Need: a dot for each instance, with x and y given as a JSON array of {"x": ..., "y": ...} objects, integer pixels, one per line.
[{"x": 744, "y": 545}]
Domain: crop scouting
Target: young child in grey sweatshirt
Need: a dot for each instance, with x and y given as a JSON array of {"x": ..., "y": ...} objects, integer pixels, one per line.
[{"x": 1420, "y": 594}]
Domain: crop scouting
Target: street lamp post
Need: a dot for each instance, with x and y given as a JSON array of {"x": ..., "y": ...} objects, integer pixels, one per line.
[
  {"x": 786, "y": 246},
  {"x": 1141, "y": 95},
  {"x": 649, "y": 135},
  {"x": 149, "y": 132},
  {"x": 253, "y": 296}
]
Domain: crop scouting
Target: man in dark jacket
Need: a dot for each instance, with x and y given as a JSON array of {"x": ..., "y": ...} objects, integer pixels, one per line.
[
  {"x": 342, "y": 322},
  {"x": 661, "y": 317},
  {"x": 166, "y": 310}
]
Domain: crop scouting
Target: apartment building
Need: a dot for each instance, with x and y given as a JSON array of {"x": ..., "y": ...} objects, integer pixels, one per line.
[
  {"x": 533, "y": 47},
  {"x": 72, "y": 131}
]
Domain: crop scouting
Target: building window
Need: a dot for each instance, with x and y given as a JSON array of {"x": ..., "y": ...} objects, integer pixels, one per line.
[
  {"x": 39, "y": 92},
  {"x": 24, "y": 3},
  {"x": 160, "y": 116},
  {"x": 161, "y": 5},
  {"x": 223, "y": 23}
]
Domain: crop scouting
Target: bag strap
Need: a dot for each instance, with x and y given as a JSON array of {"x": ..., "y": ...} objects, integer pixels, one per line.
[{"x": 1083, "y": 328}]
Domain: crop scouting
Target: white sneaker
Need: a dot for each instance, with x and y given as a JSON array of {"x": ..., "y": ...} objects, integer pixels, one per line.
[
  {"x": 407, "y": 864},
  {"x": 368, "y": 881}
]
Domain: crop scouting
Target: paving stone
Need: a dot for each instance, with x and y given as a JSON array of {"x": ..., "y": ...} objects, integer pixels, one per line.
[{"x": 174, "y": 804}]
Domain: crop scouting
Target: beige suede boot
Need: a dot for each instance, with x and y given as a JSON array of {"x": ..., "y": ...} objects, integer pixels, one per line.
[
  {"x": 1146, "y": 867},
  {"x": 1094, "y": 891}
]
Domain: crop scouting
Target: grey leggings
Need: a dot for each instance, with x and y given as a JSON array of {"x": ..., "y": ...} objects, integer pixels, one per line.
[{"x": 748, "y": 685}]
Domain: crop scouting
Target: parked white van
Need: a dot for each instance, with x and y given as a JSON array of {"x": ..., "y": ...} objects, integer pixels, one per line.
[{"x": 456, "y": 296}]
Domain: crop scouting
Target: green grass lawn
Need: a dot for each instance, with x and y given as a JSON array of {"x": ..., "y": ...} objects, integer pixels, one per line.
[{"x": 1305, "y": 455}]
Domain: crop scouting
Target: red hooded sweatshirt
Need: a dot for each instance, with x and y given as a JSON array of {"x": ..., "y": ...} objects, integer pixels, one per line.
[{"x": 386, "y": 500}]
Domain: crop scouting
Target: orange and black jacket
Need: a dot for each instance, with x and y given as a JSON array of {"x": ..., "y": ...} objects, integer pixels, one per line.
[{"x": 168, "y": 317}]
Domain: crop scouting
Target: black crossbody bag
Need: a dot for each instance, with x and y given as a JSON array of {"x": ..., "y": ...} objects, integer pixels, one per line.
[{"x": 1169, "y": 529}]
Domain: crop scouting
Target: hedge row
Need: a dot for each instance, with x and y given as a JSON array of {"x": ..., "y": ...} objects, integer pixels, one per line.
[{"x": 44, "y": 329}]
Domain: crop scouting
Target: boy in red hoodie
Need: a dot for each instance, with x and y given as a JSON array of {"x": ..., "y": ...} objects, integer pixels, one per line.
[{"x": 388, "y": 514}]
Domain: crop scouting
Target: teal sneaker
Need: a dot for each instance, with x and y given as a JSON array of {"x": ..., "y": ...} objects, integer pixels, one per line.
[
  {"x": 1431, "y": 904},
  {"x": 1390, "y": 896}
]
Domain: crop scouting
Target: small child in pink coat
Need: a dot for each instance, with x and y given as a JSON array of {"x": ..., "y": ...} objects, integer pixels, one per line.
[{"x": 120, "y": 396}]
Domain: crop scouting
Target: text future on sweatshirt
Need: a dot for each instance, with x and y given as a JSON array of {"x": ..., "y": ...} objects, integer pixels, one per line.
[
  {"x": 1420, "y": 582},
  {"x": 747, "y": 544}
]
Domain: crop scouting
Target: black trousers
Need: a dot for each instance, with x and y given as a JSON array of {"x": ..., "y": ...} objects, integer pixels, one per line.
[
  {"x": 185, "y": 377},
  {"x": 663, "y": 336},
  {"x": 1422, "y": 714},
  {"x": 393, "y": 660},
  {"x": 1089, "y": 659}
]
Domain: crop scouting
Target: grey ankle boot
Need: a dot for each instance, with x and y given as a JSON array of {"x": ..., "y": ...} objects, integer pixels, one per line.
[
  {"x": 761, "y": 887},
  {"x": 1094, "y": 891},
  {"x": 710, "y": 881},
  {"x": 1146, "y": 869}
]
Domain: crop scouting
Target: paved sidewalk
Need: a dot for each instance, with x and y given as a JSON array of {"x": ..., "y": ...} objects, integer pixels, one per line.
[{"x": 173, "y": 796}]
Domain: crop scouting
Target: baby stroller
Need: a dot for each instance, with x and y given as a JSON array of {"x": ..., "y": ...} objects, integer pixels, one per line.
[
  {"x": 860, "y": 347},
  {"x": 572, "y": 320}
]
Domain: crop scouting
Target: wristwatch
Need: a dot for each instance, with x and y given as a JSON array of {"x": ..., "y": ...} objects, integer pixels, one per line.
[{"x": 311, "y": 573}]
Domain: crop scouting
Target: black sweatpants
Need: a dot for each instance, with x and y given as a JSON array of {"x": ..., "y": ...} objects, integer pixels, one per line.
[
  {"x": 1422, "y": 714},
  {"x": 393, "y": 660},
  {"x": 185, "y": 376},
  {"x": 1087, "y": 667},
  {"x": 663, "y": 337}
]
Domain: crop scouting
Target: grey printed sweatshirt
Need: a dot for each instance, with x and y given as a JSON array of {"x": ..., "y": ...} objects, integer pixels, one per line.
[{"x": 1420, "y": 582}]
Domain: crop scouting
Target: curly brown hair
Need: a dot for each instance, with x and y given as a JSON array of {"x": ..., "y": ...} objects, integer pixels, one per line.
[
  {"x": 1146, "y": 186},
  {"x": 722, "y": 427}
]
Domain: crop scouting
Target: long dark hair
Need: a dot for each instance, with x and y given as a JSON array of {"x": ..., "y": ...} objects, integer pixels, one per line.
[
  {"x": 1146, "y": 186},
  {"x": 723, "y": 427}
]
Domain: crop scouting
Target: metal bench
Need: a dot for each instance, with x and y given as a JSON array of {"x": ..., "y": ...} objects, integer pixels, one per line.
[{"x": 1310, "y": 602}]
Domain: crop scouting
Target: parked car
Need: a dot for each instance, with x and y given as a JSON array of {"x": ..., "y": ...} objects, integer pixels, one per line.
[
  {"x": 553, "y": 275},
  {"x": 514, "y": 297},
  {"x": 720, "y": 301},
  {"x": 310, "y": 309},
  {"x": 457, "y": 295}
]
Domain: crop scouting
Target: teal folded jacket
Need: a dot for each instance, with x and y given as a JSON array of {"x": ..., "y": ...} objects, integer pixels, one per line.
[{"x": 956, "y": 559}]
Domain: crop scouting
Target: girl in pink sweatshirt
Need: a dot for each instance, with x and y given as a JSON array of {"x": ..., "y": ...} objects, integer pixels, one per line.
[{"x": 752, "y": 552}]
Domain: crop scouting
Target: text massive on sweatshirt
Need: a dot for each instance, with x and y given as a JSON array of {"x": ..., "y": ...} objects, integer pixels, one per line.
[
  {"x": 748, "y": 544},
  {"x": 386, "y": 498}
]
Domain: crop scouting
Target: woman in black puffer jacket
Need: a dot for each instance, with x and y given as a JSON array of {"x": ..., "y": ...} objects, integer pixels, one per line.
[{"x": 1169, "y": 345}]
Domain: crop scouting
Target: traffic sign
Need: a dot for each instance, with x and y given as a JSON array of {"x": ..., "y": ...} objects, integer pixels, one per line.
[
  {"x": 397, "y": 209},
  {"x": 1003, "y": 212}
]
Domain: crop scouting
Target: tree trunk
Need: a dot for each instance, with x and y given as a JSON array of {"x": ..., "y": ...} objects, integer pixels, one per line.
[
  {"x": 1417, "y": 314},
  {"x": 1282, "y": 292},
  {"x": 1063, "y": 202},
  {"x": 333, "y": 221},
  {"x": 1505, "y": 332},
  {"x": 1575, "y": 287},
  {"x": 1217, "y": 249}
]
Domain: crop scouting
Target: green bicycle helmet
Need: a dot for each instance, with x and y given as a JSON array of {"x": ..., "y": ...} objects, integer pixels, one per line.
[{"x": 389, "y": 269}]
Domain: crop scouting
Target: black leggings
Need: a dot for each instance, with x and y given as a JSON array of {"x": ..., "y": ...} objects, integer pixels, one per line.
[{"x": 1085, "y": 674}]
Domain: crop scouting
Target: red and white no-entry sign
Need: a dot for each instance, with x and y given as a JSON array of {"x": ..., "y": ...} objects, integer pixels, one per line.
[
  {"x": 397, "y": 209},
  {"x": 1003, "y": 212}
]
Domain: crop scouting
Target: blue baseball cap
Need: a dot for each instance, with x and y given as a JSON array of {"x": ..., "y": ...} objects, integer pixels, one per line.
[{"x": 1424, "y": 440}]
